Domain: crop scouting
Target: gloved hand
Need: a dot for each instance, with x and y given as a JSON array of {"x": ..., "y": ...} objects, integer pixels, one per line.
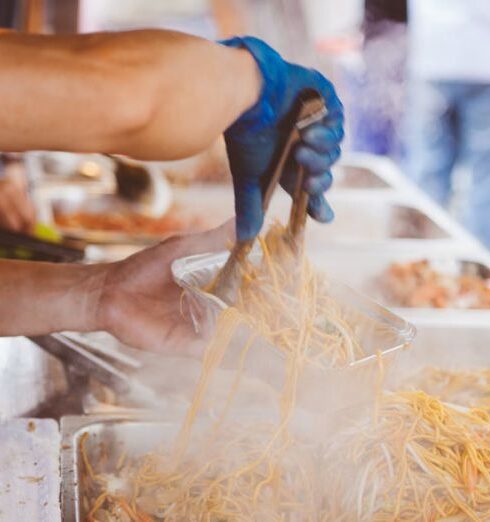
[{"x": 255, "y": 139}]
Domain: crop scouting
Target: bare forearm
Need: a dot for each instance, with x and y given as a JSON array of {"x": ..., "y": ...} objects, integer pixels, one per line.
[
  {"x": 40, "y": 298},
  {"x": 149, "y": 94}
]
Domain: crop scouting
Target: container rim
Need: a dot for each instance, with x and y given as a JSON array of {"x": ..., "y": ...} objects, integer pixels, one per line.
[{"x": 405, "y": 330}]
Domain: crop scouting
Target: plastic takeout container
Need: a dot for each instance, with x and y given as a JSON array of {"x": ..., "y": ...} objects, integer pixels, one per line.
[{"x": 380, "y": 332}]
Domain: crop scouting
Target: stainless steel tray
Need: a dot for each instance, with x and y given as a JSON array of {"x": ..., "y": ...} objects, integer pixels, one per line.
[
  {"x": 363, "y": 269},
  {"x": 367, "y": 171},
  {"x": 29, "y": 377},
  {"x": 366, "y": 220},
  {"x": 58, "y": 169},
  {"x": 96, "y": 198},
  {"x": 136, "y": 434},
  {"x": 404, "y": 191},
  {"x": 352, "y": 177},
  {"x": 451, "y": 346}
]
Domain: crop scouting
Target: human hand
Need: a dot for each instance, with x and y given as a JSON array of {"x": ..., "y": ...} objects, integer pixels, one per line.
[
  {"x": 16, "y": 208},
  {"x": 256, "y": 138},
  {"x": 139, "y": 301}
]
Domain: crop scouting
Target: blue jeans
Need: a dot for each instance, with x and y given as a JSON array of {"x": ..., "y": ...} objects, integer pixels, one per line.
[{"x": 449, "y": 129}]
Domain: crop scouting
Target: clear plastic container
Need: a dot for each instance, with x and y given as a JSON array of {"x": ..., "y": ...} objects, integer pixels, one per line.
[{"x": 378, "y": 330}]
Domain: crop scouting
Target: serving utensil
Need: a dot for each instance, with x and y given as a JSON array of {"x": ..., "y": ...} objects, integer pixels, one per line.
[{"x": 310, "y": 109}]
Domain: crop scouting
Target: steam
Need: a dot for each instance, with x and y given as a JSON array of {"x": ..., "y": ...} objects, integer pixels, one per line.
[{"x": 263, "y": 454}]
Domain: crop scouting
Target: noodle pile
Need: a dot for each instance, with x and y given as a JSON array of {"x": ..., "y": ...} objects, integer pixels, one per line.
[
  {"x": 241, "y": 472},
  {"x": 287, "y": 301},
  {"x": 231, "y": 481},
  {"x": 469, "y": 388},
  {"x": 418, "y": 459},
  {"x": 414, "y": 459}
]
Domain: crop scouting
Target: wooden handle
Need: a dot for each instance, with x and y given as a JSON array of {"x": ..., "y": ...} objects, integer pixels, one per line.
[
  {"x": 299, "y": 209},
  {"x": 310, "y": 109}
]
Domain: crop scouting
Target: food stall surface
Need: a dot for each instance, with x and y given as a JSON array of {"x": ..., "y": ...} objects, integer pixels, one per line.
[
  {"x": 448, "y": 339},
  {"x": 29, "y": 470}
]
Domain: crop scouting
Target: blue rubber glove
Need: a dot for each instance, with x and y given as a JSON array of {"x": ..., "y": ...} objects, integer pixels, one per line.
[{"x": 255, "y": 140}]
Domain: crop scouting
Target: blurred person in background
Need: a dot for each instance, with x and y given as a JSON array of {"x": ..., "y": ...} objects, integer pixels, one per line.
[
  {"x": 152, "y": 95},
  {"x": 448, "y": 112},
  {"x": 378, "y": 87}
]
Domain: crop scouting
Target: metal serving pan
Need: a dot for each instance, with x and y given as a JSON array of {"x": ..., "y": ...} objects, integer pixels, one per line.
[
  {"x": 137, "y": 435},
  {"x": 360, "y": 217},
  {"x": 357, "y": 171},
  {"x": 374, "y": 220},
  {"x": 363, "y": 268},
  {"x": 64, "y": 197},
  {"x": 353, "y": 177},
  {"x": 444, "y": 346},
  {"x": 403, "y": 191},
  {"x": 451, "y": 346},
  {"x": 58, "y": 169},
  {"x": 75, "y": 199},
  {"x": 29, "y": 377},
  {"x": 403, "y": 215}
]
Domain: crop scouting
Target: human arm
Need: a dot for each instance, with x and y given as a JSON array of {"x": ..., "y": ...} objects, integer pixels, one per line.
[
  {"x": 166, "y": 95},
  {"x": 17, "y": 211},
  {"x": 149, "y": 94},
  {"x": 135, "y": 299}
]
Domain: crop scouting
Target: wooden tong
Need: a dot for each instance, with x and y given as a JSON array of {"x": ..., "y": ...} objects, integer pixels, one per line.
[{"x": 310, "y": 108}]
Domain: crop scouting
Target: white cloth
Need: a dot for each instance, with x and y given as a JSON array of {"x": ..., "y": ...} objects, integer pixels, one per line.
[{"x": 450, "y": 40}]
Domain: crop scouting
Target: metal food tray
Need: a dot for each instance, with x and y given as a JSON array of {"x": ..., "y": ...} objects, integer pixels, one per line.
[
  {"x": 73, "y": 197},
  {"x": 363, "y": 171},
  {"x": 403, "y": 192},
  {"x": 451, "y": 346},
  {"x": 352, "y": 177},
  {"x": 29, "y": 378},
  {"x": 58, "y": 169},
  {"x": 136, "y": 434},
  {"x": 379, "y": 330},
  {"x": 364, "y": 268},
  {"x": 360, "y": 219}
]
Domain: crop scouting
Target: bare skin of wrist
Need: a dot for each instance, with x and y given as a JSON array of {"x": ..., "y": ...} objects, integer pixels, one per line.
[
  {"x": 136, "y": 299},
  {"x": 38, "y": 298}
]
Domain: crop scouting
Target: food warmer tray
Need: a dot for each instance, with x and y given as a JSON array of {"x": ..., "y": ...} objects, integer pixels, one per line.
[{"x": 363, "y": 268}]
